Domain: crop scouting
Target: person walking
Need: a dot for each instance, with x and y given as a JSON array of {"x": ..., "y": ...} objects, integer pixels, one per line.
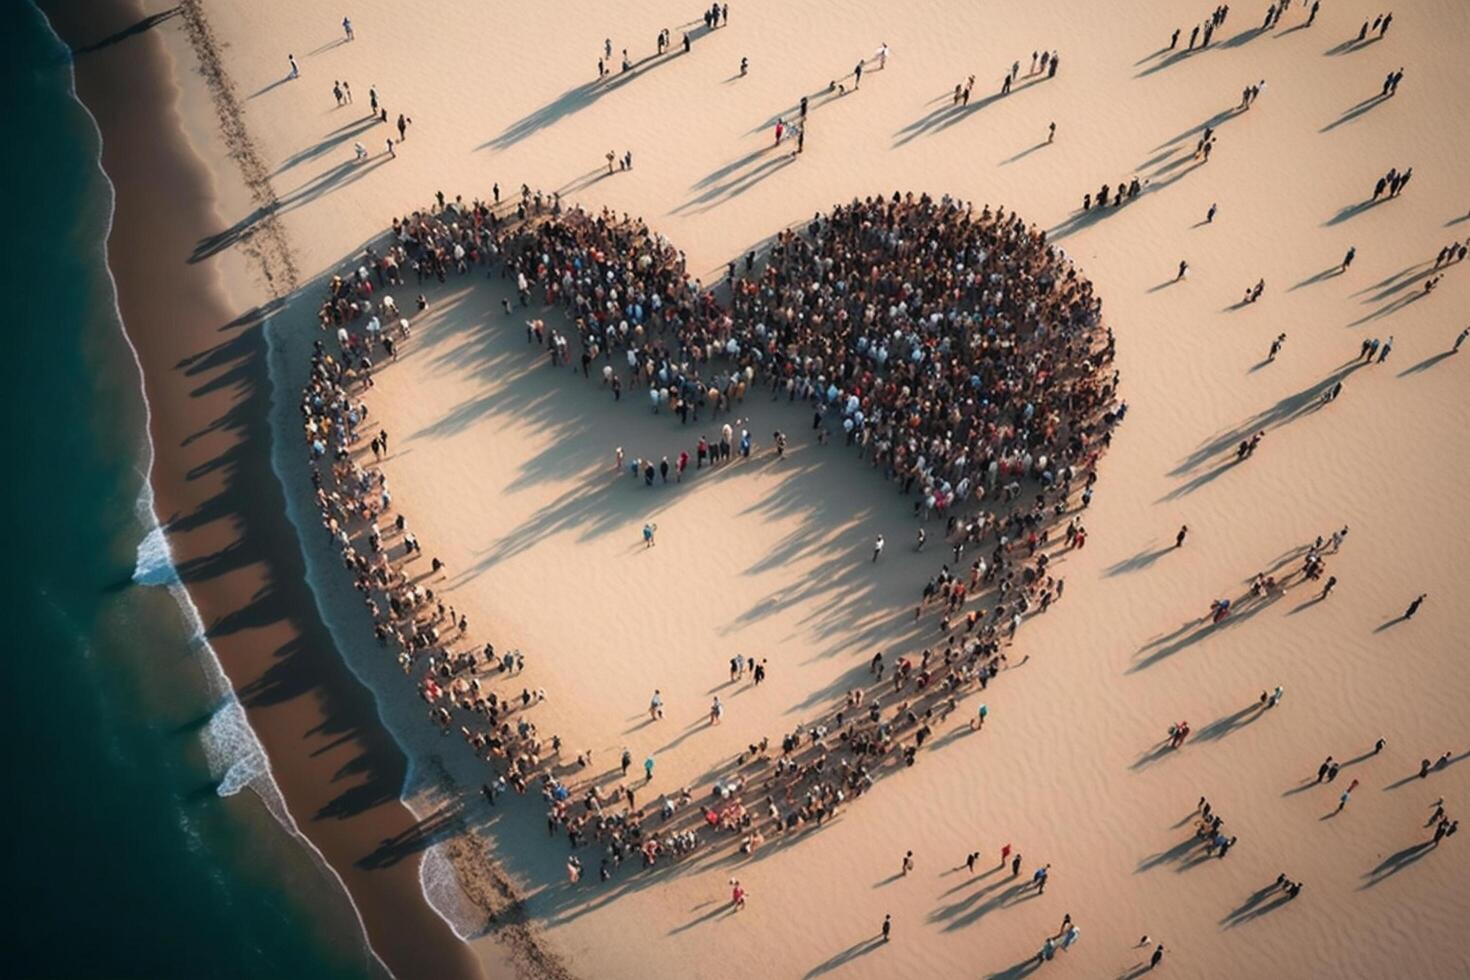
[
  {"x": 908, "y": 864},
  {"x": 1157, "y": 957},
  {"x": 887, "y": 927},
  {"x": 1414, "y": 606},
  {"x": 656, "y": 706},
  {"x": 877, "y": 547},
  {"x": 347, "y": 29},
  {"x": 649, "y": 530},
  {"x": 1179, "y": 538}
]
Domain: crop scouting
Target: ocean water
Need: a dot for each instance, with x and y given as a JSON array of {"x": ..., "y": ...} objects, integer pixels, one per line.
[{"x": 143, "y": 834}]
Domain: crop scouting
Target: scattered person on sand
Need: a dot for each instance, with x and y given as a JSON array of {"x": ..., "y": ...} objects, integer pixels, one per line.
[
  {"x": 649, "y": 530},
  {"x": 877, "y": 547},
  {"x": 908, "y": 863},
  {"x": 887, "y": 927},
  {"x": 347, "y": 29},
  {"x": 1347, "y": 259},
  {"x": 1157, "y": 957},
  {"x": 295, "y": 71},
  {"x": 1414, "y": 606},
  {"x": 1179, "y": 538}
]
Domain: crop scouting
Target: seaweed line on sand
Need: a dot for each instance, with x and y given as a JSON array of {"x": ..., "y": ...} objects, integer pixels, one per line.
[
  {"x": 486, "y": 885},
  {"x": 261, "y": 236}
]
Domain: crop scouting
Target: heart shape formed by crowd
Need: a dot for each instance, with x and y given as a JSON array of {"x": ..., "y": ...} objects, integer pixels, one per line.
[{"x": 951, "y": 347}]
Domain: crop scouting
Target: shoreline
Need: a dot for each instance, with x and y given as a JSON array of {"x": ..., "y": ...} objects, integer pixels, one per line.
[
  {"x": 215, "y": 493},
  {"x": 1190, "y": 359},
  {"x": 490, "y": 902}
]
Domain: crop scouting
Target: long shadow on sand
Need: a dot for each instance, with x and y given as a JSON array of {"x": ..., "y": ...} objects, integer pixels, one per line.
[
  {"x": 583, "y": 96},
  {"x": 1219, "y": 451}
]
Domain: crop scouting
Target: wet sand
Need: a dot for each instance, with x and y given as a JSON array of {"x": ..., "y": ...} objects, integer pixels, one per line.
[
  {"x": 1071, "y": 768},
  {"x": 204, "y": 374}
]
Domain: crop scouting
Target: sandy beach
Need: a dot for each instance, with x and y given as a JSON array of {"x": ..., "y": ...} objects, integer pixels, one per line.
[
  {"x": 203, "y": 359},
  {"x": 502, "y": 465}
]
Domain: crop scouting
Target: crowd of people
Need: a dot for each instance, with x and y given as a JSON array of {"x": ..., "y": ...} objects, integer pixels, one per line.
[{"x": 949, "y": 347}]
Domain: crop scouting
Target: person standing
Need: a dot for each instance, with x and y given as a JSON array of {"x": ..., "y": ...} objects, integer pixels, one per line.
[
  {"x": 877, "y": 547},
  {"x": 1179, "y": 538},
  {"x": 1157, "y": 957},
  {"x": 887, "y": 927},
  {"x": 347, "y": 29},
  {"x": 908, "y": 864},
  {"x": 295, "y": 71},
  {"x": 1414, "y": 606}
]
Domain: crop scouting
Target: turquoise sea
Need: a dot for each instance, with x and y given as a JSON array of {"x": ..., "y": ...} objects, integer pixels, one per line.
[{"x": 141, "y": 839}]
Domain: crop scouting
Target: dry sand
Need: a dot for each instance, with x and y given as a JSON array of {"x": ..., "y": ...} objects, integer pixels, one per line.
[{"x": 503, "y": 468}]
